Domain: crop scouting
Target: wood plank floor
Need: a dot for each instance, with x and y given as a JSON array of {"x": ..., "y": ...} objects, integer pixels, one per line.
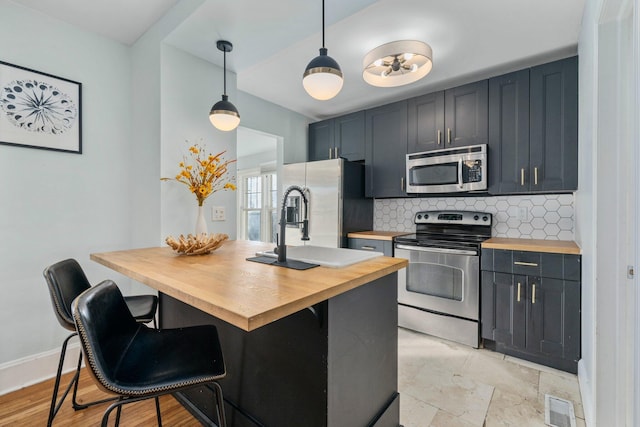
[{"x": 30, "y": 407}]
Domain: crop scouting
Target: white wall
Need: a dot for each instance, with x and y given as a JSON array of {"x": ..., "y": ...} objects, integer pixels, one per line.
[
  {"x": 258, "y": 114},
  {"x": 190, "y": 86},
  {"x": 147, "y": 125},
  {"x": 585, "y": 198},
  {"x": 606, "y": 210},
  {"x": 60, "y": 205}
]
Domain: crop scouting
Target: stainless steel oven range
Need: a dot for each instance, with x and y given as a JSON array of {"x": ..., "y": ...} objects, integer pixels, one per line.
[{"x": 439, "y": 292}]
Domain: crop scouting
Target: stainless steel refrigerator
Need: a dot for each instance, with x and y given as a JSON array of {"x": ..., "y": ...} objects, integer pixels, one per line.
[{"x": 337, "y": 206}]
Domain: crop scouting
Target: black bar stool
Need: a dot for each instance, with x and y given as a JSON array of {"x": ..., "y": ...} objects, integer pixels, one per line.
[
  {"x": 135, "y": 362},
  {"x": 66, "y": 280}
]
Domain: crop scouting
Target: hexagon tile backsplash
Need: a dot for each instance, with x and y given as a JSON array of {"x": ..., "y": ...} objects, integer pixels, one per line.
[{"x": 529, "y": 217}]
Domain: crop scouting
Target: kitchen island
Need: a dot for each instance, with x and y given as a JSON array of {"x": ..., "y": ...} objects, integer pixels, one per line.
[{"x": 314, "y": 348}]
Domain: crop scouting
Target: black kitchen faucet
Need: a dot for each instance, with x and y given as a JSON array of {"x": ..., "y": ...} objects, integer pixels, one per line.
[{"x": 281, "y": 250}]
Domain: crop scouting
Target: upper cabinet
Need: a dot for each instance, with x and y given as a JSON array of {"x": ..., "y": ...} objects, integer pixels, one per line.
[
  {"x": 533, "y": 129},
  {"x": 339, "y": 137},
  {"x": 426, "y": 122},
  {"x": 386, "y": 143},
  {"x": 456, "y": 117},
  {"x": 509, "y": 133},
  {"x": 528, "y": 118},
  {"x": 321, "y": 140},
  {"x": 554, "y": 126}
]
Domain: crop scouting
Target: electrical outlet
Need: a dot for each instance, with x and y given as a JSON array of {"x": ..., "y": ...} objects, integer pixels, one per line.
[
  {"x": 217, "y": 213},
  {"x": 523, "y": 214}
]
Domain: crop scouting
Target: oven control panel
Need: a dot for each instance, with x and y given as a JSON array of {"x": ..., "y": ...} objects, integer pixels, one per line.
[{"x": 453, "y": 217}]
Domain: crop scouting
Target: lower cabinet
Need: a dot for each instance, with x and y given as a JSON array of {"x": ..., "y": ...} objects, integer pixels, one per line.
[
  {"x": 375, "y": 245},
  {"x": 530, "y": 306}
]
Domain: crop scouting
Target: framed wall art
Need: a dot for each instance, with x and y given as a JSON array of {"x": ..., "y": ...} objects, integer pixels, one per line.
[{"x": 39, "y": 110}]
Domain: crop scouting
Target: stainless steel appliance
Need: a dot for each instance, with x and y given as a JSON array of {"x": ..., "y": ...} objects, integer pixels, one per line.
[
  {"x": 337, "y": 206},
  {"x": 450, "y": 170},
  {"x": 439, "y": 292}
]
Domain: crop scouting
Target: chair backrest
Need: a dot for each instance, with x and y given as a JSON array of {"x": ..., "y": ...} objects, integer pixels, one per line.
[
  {"x": 106, "y": 329},
  {"x": 65, "y": 280}
]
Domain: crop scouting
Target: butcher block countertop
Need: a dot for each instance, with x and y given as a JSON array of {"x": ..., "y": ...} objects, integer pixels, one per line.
[
  {"x": 377, "y": 235},
  {"x": 533, "y": 245},
  {"x": 244, "y": 293}
]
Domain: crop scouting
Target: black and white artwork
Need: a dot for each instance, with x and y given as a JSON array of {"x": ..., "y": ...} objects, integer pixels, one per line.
[{"x": 39, "y": 110}]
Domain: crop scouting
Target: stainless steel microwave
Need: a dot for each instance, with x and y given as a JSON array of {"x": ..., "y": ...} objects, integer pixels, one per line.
[{"x": 451, "y": 170}]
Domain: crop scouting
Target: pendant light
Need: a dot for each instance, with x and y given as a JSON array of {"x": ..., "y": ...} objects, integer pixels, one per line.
[
  {"x": 224, "y": 115},
  {"x": 322, "y": 79}
]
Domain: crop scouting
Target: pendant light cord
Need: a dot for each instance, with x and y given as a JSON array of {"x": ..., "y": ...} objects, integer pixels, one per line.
[{"x": 224, "y": 51}]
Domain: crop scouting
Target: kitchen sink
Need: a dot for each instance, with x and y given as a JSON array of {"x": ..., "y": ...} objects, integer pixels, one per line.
[{"x": 327, "y": 257}]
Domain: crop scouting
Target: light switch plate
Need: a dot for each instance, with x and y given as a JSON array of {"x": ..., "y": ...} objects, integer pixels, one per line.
[{"x": 217, "y": 213}]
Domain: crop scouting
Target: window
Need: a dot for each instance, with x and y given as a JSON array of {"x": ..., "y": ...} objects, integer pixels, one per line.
[{"x": 258, "y": 206}]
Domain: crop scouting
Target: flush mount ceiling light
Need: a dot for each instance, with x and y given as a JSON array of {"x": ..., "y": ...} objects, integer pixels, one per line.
[
  {"x": 397, "y": 63},
  {"x": 224, "y": 115},
  {"x": 322, "y": 79}
]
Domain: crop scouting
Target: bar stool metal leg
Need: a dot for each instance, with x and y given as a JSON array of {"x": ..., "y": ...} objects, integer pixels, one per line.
[{"x": 54, "y": 408}]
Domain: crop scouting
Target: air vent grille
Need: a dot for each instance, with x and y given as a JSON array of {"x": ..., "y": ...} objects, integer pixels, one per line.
[{"x": 558, "y": 412}]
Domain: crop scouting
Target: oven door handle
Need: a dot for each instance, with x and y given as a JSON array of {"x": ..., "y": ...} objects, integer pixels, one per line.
[{"x": 437, "y": 250}]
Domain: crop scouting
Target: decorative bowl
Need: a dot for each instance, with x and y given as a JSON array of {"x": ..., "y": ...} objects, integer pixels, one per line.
[{"x": 200, "y": 244}]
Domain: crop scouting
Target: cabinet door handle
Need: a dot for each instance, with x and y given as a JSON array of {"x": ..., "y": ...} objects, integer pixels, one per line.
[
  {"x": 331, "y": 153},
  {"x": 535, "y": 176},
  {"x": 402, "y": 183},
  {"x": 522, "y": 177},
  {"x": 528, "y": 264},
  {"x": 337, "y": 150},
  {"x": 519, "y": 284},
  {"x": 533, "y": 294},
  {"x": 449, "y": 135},
  {"x": 439, "y": 136},
  {"x": 368, "y": 248}
]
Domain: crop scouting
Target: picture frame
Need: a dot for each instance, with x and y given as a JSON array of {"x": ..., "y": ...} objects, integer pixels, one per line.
[{"x": 39, "y": 110}]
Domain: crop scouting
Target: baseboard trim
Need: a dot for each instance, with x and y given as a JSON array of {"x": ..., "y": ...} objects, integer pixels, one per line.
[
  {"x": 586, "y": 393},
  {"x": 36, "y": 368}
]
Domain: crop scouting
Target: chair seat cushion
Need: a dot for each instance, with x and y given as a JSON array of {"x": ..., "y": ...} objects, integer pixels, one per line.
[
  {"x": 142, "y": 307},
  {"x": 169, "y": 359}
]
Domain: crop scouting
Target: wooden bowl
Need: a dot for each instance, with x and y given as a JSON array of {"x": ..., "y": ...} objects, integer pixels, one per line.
[{"x": 200, "y": 244}]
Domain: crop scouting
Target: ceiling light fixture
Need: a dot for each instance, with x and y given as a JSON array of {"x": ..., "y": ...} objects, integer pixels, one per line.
[
  {"x": 224, "y": 115},
  {"x": 397, "y": 63},
  {"x": 322, "y": 79}
]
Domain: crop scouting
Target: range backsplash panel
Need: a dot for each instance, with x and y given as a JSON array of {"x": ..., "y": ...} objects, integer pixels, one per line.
[{"x": 548, "y": 217}]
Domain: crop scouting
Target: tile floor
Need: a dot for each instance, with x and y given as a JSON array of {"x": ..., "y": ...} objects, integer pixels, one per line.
[{"x": 445, "y": 384}]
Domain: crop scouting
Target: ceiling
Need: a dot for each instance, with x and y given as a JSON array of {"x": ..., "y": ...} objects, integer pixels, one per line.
[{"x": 273, "y": 41}]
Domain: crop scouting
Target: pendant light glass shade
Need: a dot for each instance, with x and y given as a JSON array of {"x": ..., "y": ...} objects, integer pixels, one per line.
[
  {"x": 322, "y": 79},
  {"x": 397, "y": 63},
  {"x": 224, "y": 115}
]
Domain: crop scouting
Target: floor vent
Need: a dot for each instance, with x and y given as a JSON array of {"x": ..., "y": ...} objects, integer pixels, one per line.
[{"x": 558, "y": 412}]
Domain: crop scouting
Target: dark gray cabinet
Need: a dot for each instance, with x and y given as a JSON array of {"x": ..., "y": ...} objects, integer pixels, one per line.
[
  {"x": 426, "y": 122},
  {"x": 528, "y": 118},
  {"x": 386, "y": 149},
  {"x": 465, "y": 114},
  {"x": 321, "y": 140},
  {"x": 554, "y": 126},
  {"x": 338, "y": 137},
  {"x": 453, "y": 118},
  {"x": 375, "y": 245},
  {"x": 533, "y": 129},
  {"x": 530, "y": 306},
  {"x": 509, "y": 133}
]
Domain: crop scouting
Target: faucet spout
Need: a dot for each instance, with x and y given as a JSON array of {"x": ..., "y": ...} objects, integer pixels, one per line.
[{"x": 282, "y": 246}]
